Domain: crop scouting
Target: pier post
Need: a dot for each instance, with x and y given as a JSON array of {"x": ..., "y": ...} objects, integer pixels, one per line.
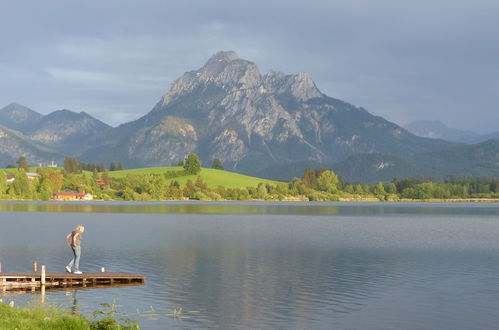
[
  {"x": 42, "y": 294},
  {"x": 42, "y": 278},
  {"x": 35, "y": 266},
  {"x": 0, "y": 267}
]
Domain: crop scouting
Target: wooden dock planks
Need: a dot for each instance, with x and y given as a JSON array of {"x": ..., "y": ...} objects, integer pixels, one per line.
[{"x": 64, "y": 279}]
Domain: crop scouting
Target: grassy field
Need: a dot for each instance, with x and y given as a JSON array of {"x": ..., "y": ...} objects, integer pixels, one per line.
[
  {"x": 43, "y": 317},
  {"x": 39, "y": 318},
  {"x": 211, "y": 177}
]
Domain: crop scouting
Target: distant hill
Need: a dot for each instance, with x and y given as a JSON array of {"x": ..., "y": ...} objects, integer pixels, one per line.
[
  {"x": 42, "y": 139},
  {"x": 14, "y": 144},
  {"x": 486, "y": 137},
  {"x": 66, "y": 131},
  {"x": 18, "y": 117},
  {"x": 437, "y": 130},
  {"x": 377, "y": 167},
  {"x": 478, "y": 160}
]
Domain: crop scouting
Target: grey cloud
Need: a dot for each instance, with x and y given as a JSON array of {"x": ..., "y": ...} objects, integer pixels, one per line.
[{"x": 401, "y": 60}]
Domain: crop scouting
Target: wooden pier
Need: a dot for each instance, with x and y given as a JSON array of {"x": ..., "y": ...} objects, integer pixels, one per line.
[{"x": 12, "y": 281}]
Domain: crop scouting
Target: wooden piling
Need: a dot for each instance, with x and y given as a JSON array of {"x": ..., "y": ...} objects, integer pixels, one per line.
[
  {"x": 0, "y": 267},
  {"x": 42, "y": 291},
  {"x": 35, "y": 266},
  {"x": 42, "y": 279}
]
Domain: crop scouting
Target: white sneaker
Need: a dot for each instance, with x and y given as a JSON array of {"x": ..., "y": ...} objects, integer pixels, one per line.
[
  {"x": 68, "y": 269},
  {"x": 77, "y": 272}
]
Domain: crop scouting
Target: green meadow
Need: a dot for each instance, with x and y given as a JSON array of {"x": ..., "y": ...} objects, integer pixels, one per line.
[{"x": 211, "y": 177}]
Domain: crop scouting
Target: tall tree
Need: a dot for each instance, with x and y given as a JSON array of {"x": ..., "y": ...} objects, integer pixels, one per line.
[
  {"x": 22, "y": 162},
  {"x": 21, "y": 184},
  {"x": 329, "y": 182},
  {"x": 199, "y": 183},
  {"x": 106, "y": 178},
  {"x": 309, "y": 179},
  {"x": 54, "y": 178},
  {"x": 192, "y": 164},
  {"x": 3, "y": 183},
  {"x": 71, "y": 165},
  {"x": 217, "y": 164}
]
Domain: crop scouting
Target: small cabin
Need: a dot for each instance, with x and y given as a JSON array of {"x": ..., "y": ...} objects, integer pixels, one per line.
[
  {"x": 31, "y": 176},
  {"x": 69, "y": 195}
]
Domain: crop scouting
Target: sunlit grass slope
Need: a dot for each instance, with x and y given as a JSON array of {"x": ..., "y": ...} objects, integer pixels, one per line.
[{"x": 211, "y": 177}]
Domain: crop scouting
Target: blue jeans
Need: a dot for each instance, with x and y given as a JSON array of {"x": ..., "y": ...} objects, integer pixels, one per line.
[{"x": 76, "y": 259}]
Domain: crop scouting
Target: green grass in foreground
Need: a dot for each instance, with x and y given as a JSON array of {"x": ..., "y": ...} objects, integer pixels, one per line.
[
  {"x": 39, "y": 318},
  {"x": 211, "y": 177},
  {"x": 51, "y": 318}
]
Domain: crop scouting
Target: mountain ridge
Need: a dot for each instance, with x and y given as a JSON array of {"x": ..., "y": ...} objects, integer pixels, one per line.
[
  {"x": 252, "y": 122},
  {"x": 437, "y": 130}
]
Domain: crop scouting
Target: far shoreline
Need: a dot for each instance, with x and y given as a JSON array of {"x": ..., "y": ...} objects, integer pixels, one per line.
[{"x": 261, "y": 201}]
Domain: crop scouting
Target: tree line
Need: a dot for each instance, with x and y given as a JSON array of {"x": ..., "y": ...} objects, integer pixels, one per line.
[{"x": 314, "y": 185}]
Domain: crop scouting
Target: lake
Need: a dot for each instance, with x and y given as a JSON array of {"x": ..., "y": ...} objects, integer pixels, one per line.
[{"x": 271, "y": 265}]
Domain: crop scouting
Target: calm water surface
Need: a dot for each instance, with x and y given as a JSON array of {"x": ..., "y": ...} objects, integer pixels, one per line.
[{"x": 272, "y": 266}]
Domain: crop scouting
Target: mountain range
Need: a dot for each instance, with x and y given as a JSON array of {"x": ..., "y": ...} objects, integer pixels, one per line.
[
  {"x": 437, "y": 130},
  {"x": 273, "y": 125}
]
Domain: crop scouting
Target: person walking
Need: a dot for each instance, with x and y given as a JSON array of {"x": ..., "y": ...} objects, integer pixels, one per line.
[{"x": 74, "y": 242}]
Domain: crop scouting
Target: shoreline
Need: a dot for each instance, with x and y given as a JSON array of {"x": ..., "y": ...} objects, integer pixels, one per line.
[{"x": 297, "y": 200}]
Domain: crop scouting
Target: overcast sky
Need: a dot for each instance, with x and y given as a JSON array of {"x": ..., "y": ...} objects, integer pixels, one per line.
[{"x": 402, "y": 60}]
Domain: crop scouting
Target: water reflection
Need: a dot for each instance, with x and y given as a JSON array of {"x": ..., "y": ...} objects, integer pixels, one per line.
[
  {"x": 75, "y": 308},
  {"x": 340, "y": 208},
  {"x": 240, "y": 285},
  {"x": 362, "y": 267}
]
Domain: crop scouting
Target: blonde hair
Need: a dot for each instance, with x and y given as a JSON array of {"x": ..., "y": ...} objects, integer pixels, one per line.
[{"x": 80, "y": 228}]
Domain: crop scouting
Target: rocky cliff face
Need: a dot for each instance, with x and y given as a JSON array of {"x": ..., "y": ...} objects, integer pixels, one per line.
[{"x": 228, "y": 110}]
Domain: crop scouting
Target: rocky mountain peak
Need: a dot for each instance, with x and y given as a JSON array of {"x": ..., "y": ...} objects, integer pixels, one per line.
[
  {"x": 63, "y": 114},
  {"x": 301, "y": 85},
  {"x": 225, "y": 69},
  {"x": 223, "y": 56},
  {"x": 18, "y": 112},
  {"x": 18, "y": 117},
  {"x": 68, "y": 117}
]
